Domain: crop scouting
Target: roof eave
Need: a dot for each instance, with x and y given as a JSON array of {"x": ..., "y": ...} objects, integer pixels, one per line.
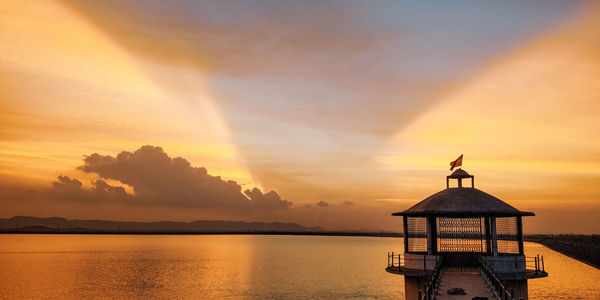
[{"x": 462, "y": 214}]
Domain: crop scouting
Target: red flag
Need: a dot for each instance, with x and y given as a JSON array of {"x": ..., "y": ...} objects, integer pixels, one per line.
[{"x": 456, "y": 163}]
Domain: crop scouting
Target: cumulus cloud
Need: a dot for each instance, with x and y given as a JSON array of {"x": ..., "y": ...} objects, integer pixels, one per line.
[
  {"x": 66, "y": 183},
  {"x": 268, "y": 200},
  {"x": 67, "y": 188},
  {"x": 157, "y": 178},
  {"x": 322, "y": 204},
  {"x": 145, "y": 184}
]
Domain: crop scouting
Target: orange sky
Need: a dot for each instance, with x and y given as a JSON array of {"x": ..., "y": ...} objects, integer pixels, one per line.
[{"x": 362, "y": 111}]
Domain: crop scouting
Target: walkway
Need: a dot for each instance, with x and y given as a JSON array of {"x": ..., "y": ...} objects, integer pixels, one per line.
[{"x": 469, "y": 280}]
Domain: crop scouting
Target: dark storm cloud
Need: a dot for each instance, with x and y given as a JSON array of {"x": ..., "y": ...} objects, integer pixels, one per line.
[{"x": 157, "y": 178}]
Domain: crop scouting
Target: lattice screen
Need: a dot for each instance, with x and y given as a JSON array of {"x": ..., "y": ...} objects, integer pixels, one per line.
[
  {"x": 417, "y": 234},
  {"x": 461, "y": 235},
  {"x": 507, "y": 235}
]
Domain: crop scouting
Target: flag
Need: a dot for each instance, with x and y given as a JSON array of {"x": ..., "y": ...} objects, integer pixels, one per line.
[{"x": 456, "y": 163}]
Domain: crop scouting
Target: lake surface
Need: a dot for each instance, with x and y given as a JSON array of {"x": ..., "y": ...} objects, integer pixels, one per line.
[{"x": 232, "y": 266}]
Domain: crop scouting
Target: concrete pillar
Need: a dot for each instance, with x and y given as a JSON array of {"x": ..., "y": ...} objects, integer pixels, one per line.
[
  {"x": 412, "y": 286},
  {"x": 494, "y": 236},
  {"x": 520, "y": 234},
  {"x": 404, "y": 219},
  {"x": 431, "y": 235},
  {"x": 488, "y": 236},
  {"x": 517, "y": 288}
]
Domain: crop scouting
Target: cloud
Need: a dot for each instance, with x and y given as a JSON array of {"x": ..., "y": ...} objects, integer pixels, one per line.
[
  {"x": 322, "y": 204},
  {"x": 348, "y": 203},
  {"x": 238, "y": 37},
  {"x": 268, "y": 200},
  {"x": 66, "y": 183},
  {"x": 67, "y": 188},
  {"x": 157, "y": 178},
  {"x": 158, "y": 187}
]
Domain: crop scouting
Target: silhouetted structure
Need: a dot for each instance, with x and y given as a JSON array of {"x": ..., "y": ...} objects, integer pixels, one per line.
[{"x": 467, "y": 237}]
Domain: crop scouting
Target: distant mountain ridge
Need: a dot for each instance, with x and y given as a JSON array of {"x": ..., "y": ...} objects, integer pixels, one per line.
[{"x": 56, "y": 224}]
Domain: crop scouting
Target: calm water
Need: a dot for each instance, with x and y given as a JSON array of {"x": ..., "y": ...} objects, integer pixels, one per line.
[{"x": 232, "y": 266}]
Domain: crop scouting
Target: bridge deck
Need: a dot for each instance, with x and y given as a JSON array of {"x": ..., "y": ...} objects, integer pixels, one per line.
[{"x": 471, "y": 281}]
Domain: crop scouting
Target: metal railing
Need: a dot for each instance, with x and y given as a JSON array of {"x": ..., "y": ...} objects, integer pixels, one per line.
[
  {"x": 539, "y": 260},
  {"x": 526, "y": 263},
  {"x": 430, "y": 289},
  {"x": 529, "y": 264},
  {"x": 434, "y": 282},
  {"x": 396, "y": 260},
  {"x": 498, "y": 288}
]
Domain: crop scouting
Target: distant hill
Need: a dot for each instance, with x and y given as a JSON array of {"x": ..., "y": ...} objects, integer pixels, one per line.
[{"x": 56, "y": 225}]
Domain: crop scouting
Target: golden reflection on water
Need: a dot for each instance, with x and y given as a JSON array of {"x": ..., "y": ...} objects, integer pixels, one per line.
[
  {"x": 125, "y": 266},
  {"x": 230, "y": 266},
  {"x": 567, "y": 277}
]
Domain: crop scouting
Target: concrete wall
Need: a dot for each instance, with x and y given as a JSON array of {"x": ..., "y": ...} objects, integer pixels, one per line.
[
  {"x": 412, "y": 286},
  {"x": 507, "y": 264},
  {"x": 517, "y": 288}
]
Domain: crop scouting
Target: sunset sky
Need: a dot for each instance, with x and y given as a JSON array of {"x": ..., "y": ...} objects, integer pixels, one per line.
[{"x": 346, "y": 110}]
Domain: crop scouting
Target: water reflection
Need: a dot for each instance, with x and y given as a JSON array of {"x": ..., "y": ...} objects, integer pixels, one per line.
[
  {"x": 230, "y": 266},
  {"x": 568, "y": 278}
]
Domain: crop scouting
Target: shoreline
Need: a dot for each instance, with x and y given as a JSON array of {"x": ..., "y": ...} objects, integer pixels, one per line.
[
  {"x": 583, "y": 248},
  {"x": 307, "y": 233}
]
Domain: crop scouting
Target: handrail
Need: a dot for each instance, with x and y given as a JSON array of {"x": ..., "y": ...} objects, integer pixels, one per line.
[
  {"x": 530, "y": 263},
  {"x": 434, "y": 282},
  {"x": 498, "y": 288},
  {"x": 396, "y": 260},
  {"x": 393, "y": 258},
  {"x": 486, "y": 263}
]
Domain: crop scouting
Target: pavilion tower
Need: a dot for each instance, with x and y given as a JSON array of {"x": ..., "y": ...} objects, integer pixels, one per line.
[{"x": 463, "y": 228}]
